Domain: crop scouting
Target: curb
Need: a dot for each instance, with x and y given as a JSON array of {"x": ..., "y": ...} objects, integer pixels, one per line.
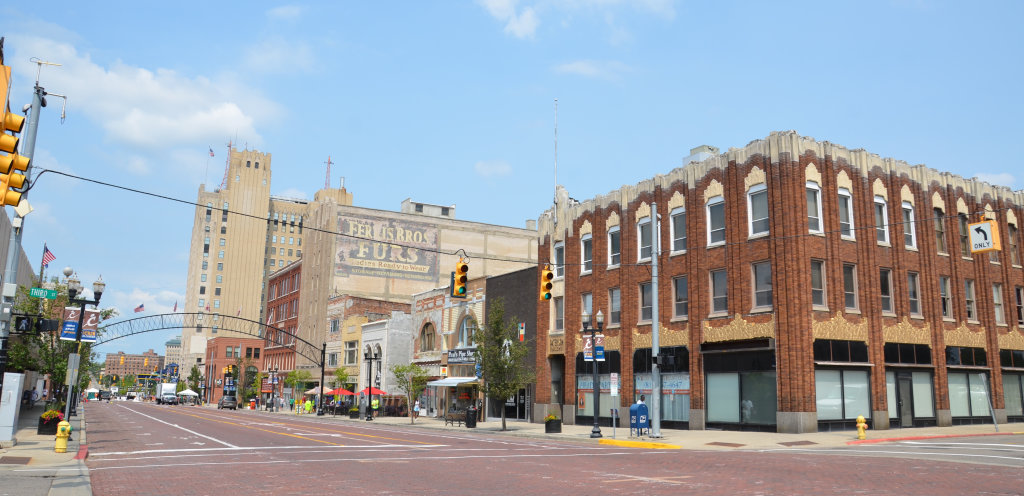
[
  {"x": 83, "y": 453},
  {"x": 639, "y": 444},
  {"x": 938, "y": 436}
]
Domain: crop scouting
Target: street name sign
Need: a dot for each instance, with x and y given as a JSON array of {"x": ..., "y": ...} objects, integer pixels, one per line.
[{"x": 49, "y": 294}]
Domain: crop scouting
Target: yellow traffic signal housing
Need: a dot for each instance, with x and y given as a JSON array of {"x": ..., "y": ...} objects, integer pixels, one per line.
[
  {"x": 122, "y": 359},
  {"x": 11, "y": 164},
  {"x": 459, "y": 278},
  {"x": 145, "y": 362},
  {"x": 546, "y": 276}
]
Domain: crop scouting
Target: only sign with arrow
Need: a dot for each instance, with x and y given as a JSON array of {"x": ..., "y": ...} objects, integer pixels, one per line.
[{"x": 984, "y": 236}]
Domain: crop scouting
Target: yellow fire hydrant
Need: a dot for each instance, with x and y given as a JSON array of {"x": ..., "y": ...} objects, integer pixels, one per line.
[
  {"x": 63, "y": 433},
  {"x": 862, "y": 426}
]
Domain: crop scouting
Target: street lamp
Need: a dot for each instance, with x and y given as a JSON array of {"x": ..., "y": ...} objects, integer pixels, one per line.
[
  {"x": 370, "y": 356},
  {"x": 596, "y": 431},
  {"x": 273, "y": 388},
  {"x": 74, "y": 288}
]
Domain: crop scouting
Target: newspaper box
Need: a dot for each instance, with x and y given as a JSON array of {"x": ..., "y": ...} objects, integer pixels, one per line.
[{"x": 639, "y": 421}]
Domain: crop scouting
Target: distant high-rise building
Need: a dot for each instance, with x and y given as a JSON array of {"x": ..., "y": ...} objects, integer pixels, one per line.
[{"x": 172, "y": 355}]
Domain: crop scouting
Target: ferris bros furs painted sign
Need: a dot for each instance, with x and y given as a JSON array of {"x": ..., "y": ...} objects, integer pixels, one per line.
[{"x": 378, "y": 247}]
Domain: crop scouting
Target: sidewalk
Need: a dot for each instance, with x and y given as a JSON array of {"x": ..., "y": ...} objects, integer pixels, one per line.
[
  {"x": 686, "y": 439},
  {"x": 31, "y": 467}
]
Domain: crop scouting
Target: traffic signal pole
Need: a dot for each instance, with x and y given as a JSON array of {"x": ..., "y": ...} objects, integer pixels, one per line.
[{"x": 10, "y": 276}]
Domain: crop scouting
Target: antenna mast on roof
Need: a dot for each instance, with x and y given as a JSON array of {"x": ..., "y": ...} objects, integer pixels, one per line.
[
  {"x": 327, "y": 181},
  {"x": 227, "y": 162},
  {"x": 556, "y": 161}
]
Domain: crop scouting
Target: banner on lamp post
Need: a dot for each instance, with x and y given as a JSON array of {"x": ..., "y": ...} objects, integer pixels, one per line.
[{"x": 90, "y": 322}]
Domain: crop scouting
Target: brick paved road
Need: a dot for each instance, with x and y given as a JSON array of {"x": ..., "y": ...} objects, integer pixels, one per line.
[{"x": 149, "y": 449}]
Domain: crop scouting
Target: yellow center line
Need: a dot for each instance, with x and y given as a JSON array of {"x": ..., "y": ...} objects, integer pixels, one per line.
[{"x": 304, "y": 427}]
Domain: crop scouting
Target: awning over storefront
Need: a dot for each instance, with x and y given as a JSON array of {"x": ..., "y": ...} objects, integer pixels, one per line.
[{"x": 452, "y": 381}]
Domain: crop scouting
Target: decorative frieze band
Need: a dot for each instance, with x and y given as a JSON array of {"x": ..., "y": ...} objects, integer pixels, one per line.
[
  {"x": 613, "y": 221},
  {"x": 1012, "y": 340},
  {"x": 586, "y": 228},
  {"x": 811, "y": 174},
  {"x": 840, "y": 329},
  {"x": 878, "y": 188},
  {"x": 714, "y": 189},
  {"x": 677, "y": 200},
  {"x": 962, "y": 336},
  {"x": 754, "y": 177},
  {"x": 738, "y": 330},
  {"x": 667, "y": 337},
  {"x": 905, "y": 332}
]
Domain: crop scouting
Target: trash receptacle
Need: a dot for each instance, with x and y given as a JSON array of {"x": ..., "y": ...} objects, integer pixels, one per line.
[{"x": 470, "y": 417}]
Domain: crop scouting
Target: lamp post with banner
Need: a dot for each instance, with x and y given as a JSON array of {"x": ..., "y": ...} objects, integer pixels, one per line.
[
  {"x": 596, "y": 431},
  {"x": 74, "y": 288}
]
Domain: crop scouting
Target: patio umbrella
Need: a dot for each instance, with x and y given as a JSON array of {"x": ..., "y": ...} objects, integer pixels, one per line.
[
  {"x": 315, "y": 390},
  {"x": 341, "y": 392},
  {"x": 372, "y": 391}
]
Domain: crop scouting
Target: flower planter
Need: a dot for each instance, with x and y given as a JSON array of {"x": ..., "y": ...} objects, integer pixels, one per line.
[
  {"x": 553, "y": 426},
  {"x": 47, "y": 427},
  {"x": 353, "y": 415}
]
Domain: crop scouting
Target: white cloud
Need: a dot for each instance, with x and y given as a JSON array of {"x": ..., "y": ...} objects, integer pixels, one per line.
[
  {"x": 279, "y": 56},
  {"x": 492, "y": 168},
  {"x": 285, "y": 12},
  {"x": 154, "y": 302},
  {"x": 153, "y": 112},
  {"x": 292, "y": 193},
  {"x": 521, "y": 25},
  {"x": 999, "y": 179},
  {"x": 610, "y": 70}
]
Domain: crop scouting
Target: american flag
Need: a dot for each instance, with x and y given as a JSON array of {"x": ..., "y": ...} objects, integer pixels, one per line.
[
  {"x": 211, "y": 151},
  {"x": 175, "y": 307},
  {"x": 140, "y": 308},
  {"x": 47, "y": 256}
]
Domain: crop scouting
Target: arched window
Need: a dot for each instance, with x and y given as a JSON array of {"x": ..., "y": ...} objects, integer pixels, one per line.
[
  {"x": 467, "y": 331},
  {"x": 427, "y": 337}
]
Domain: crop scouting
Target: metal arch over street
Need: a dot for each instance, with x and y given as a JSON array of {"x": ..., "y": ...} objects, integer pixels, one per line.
[{"x": 189, "y": 321}]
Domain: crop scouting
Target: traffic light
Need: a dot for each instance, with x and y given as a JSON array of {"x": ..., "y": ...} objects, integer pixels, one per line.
[
  {"x": 546, "y": 276},
  {"x": 11, "y": 164},
  {"x": 122, "y": 359},
  {"x": 459, "y": 278},
  {"x": 145, "y": 362}
]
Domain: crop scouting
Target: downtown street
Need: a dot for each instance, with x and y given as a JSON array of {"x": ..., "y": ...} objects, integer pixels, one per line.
[{"x": 141, "y": 448}]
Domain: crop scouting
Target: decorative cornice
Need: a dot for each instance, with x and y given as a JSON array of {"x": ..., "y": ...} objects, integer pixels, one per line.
[
  {"x": 613, "y": 220},
  {"x": 843, "y": 181},
  {"x": 878, "y": 188},
  {"x": 811, "y": 174},
  {"x": 1012, "y": 340},
  {"x": 963, "y": 336},
  {"x": 754, "y": 177},
  {"x": 667, "y": 337},
  {"x": 714, "y": 189},
  {"x": 642, "y": 211},
  {"x": 906, "y": 195},
  {"x": 938, "y": 202},
  {"x": 905, "y": 332},
  {"x": 678, "y": 200},
  {"x": 586, "y": 228},
  {"x": 839, "y": 328},
  {"x": 739, "y": 329},
  {"x": 961, "y": 206},
  {"x": 989, "y": 214}
]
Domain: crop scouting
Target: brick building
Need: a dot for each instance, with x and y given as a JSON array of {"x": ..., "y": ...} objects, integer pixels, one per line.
[
  {"x": 245, "y": 354},
  {"x": 282, "y": 311},
  {"x": 124, "y": 364},
  {"x": 869, "y": 304},
  {"x": 346, "y": 316}
]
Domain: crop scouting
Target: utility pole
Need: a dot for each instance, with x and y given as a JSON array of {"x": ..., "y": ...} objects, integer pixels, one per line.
[{"x": 655, "y": 325}]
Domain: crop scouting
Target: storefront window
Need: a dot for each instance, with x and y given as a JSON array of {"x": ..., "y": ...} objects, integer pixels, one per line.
[
  {"x": 1013, "y": 393},
  {"x": 968, "y": 396},
  {"x": 585, "y": 384},
  {"x": 842, "y": 394},
  {"x": 675, "y": 381}
]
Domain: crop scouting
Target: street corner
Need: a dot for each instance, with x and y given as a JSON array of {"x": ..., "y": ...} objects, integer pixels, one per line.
[{"x": 639, "y": 444}]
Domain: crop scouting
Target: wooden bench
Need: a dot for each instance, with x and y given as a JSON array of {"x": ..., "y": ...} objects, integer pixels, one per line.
[{"x": 454, "y": 417}]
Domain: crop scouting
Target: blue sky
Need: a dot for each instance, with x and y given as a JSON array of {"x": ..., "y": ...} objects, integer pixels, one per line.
[{"x": 453, "y": 103}]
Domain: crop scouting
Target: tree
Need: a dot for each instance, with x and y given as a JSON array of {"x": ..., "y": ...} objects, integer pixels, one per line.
[
  {"x": 340, "y": 377},
  {"x": 194, "y": 377},
  {"x": 297, "y": 380},
  {"x": 247, "y": 373},
  {"x": 502, "y": 357},
  {"x": 411, "y": 379}
]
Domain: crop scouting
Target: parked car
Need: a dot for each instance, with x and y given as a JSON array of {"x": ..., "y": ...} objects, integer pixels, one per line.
[
  {"x": 105, "y": 395},
  {"x": 169, "y": 399},
  {"x": 228, "y": 402}
]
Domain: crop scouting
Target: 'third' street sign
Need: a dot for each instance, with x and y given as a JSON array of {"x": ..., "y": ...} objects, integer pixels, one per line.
[
  {"x": 984, "y": 236},
  {"x": 49, "y": 294}
]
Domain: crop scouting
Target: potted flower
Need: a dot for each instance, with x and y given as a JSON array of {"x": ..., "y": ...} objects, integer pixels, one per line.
[
  {"x": 552, "y": 424},
  {"x": 353, "y": 413},
  {"x": 48, "y": 422}
]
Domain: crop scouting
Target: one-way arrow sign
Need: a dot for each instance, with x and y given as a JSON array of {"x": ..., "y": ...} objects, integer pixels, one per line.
[{"x": 984, "y": 236}]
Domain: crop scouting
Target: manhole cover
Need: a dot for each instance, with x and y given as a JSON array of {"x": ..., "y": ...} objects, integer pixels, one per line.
[
  {"x": 798, "y": 443},
  {"x": 727, "y": 445},
  {"x": 15, "y": 460}
]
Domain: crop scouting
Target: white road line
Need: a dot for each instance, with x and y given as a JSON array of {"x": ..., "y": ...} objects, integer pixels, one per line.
[
  {"x": 1001, "y": 447},
  {"x": 260, "y": 448},
  {"x": 372, "y": 460},
  {"x": 867, "y": 452},
  {"x": 225, "y": 443}
]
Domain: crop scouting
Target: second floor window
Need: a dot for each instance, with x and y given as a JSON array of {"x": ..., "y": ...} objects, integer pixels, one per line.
[
  {"x": 972, "y": 314},
  {"x": 914, "y": 293},
  {"x": 845, "y": 213},
  {"x": 997, "y": 303},
  {"x": 614, "y": 307},
  {"x": 587, "y": 253},
  {"x": 881, "y": 221},
  {"x": 757, "y": 206},
  {"x": 940, "y": 230},
  {"x": 885, "y": 289},
  {"x": 614, "y": 248},
  {"x": 719, "y": 292},
  {"x": 818, "y": 283},
  {"x": 678, "y": 230},
  {"x": 814, "y": 208},
  {"x": 945, "y": 298},
  {"x": 850, "y": 286},
  {"x": 716, "y": 221},
  {"x": 762, "y": 273},
  {"x": 643, "y": 236},
  {"x": 646, "y": 302},
  {"x": 682, "y": 297},
  {"x": 559, "y": 304}
]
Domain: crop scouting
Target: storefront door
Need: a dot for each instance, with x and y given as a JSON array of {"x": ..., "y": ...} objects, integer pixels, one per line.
[{"x": 904, "y": 402}]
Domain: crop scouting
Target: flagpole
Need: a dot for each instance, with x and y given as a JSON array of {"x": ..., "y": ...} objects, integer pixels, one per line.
[{"x": 42, "y": 265}]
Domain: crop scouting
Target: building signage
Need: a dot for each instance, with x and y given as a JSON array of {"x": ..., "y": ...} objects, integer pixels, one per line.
[
  {"x": 556, "y": 345},
  {"x": 379, "y": 247},
  {"x": 266, "y": 386},
  {"x": 461, "y": 355}
]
